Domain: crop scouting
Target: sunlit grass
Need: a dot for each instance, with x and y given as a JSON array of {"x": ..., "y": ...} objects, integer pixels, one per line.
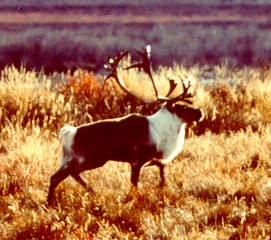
[{"x": 218, "y": 188}]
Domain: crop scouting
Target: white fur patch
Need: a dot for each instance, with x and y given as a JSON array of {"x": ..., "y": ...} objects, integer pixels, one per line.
[
  {"x": 167, "y": 132},
  {"x": 66, "y": 134}
]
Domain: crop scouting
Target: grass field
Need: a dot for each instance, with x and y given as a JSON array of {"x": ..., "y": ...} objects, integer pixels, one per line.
[
  {"x": 220, "y": 185},
  {"x": 218, "y": 188}
]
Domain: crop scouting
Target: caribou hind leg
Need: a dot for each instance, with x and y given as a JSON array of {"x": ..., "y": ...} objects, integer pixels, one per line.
[
  {"x": 56, "y": 179},
  {"x": 77, "y": 177},
  {"x": 63, "y": 172}
]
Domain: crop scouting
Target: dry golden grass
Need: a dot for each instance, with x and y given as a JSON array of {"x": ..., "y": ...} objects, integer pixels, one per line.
[{"x": 218, "y": 188}]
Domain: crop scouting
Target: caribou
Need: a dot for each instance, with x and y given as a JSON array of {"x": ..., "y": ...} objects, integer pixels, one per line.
[{"x": 136, "y": 139}]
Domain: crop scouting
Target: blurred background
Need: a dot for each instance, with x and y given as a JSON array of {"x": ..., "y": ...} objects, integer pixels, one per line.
[{"x": 69, "y": 34}]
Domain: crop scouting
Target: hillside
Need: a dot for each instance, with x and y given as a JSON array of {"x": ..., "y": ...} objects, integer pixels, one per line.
[{"x": 68, "y": 36}]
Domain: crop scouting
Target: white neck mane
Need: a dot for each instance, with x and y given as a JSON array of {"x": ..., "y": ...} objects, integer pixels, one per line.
[{"x": 167, "y": 132}]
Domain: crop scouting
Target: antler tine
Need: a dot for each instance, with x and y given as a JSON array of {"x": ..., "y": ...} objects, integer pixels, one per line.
[
  {"x": 172, "y": 87},
  {"x": 112, "y": 64},
  {"x": 184, "y": 95}
]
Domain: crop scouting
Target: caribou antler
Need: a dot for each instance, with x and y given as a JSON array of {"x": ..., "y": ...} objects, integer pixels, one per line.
[
  {"x": 184, "y": 95},
  {"x": 145, "y": 65}
]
